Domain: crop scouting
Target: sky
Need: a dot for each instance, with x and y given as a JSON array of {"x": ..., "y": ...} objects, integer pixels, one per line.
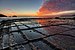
[
  {"x": 19, "y": 7},
  {"x": 33, "y": 7}
]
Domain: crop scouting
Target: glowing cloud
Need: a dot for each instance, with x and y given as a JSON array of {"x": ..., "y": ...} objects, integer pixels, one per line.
[
  {"x": 54, "y": 6},
  {"x": 63, "y": 13}
]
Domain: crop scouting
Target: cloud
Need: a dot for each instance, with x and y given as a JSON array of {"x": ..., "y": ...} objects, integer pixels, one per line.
[
  {"x": 51, "y": 6},
  {"x": 8, "y": 9}
]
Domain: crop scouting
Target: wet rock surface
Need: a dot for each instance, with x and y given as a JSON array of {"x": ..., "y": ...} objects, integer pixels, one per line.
[{"x": 32, "y": 36}]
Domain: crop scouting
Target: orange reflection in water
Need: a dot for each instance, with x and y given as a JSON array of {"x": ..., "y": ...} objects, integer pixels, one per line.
[{"x": 50, "y": 29}]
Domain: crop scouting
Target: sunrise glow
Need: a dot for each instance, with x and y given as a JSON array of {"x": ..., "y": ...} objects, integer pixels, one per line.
[{"x": 36, "y": 7}]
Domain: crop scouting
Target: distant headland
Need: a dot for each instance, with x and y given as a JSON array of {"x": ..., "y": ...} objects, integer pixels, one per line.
[{"x": 2, "y": 15}]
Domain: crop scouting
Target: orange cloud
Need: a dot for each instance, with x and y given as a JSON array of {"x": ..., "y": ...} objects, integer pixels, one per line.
[{"x": 54, "y": 6}]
